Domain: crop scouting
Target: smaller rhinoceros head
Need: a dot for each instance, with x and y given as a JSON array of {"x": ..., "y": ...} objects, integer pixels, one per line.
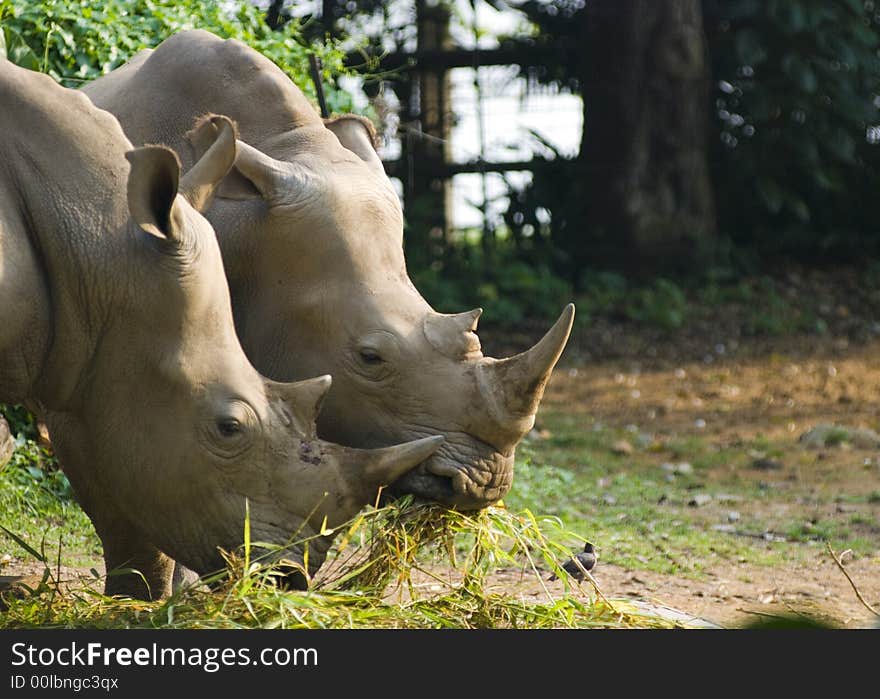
[{"x": 196, "y": 436}]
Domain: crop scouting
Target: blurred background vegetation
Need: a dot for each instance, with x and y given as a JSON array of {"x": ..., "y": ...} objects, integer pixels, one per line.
[{"x": 719, "y": 140}]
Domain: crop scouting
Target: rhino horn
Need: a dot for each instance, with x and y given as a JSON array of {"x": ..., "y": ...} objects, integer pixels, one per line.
[
  {"x": 454, "y": 335},
  {"x": 467, "y": 321},
  {"x": 519, "y": 381},
  {"x": 200, "y": 183},
  {"x": 305, "y": 399},
  {"x": 384, "y": 466}
]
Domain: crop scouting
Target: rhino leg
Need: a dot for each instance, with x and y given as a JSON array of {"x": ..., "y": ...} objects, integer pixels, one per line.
[{"x": 126, "y": 549}]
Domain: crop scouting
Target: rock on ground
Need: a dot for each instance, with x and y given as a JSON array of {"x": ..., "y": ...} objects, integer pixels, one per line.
[{"x": 828, "y": 435}]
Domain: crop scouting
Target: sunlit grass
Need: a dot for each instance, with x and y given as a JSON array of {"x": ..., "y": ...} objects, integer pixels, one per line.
[
  {"x": 375, "y": 578},
  {"x": 36, "y": 502}
]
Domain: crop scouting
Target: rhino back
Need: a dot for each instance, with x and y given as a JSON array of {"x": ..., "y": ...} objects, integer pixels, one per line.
[
  {"x": 158, "y": 95},
  {"x": 63, "y": 157}
]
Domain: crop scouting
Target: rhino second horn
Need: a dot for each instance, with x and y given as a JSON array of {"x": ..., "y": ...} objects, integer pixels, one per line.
[
  {"x": 384, "y": 466},
  {"x": 519, "y": 381},
  {"x": 305, "y": 398},
  {"x": 454, "y": 335},
  {"x": 467, "y": 321}
]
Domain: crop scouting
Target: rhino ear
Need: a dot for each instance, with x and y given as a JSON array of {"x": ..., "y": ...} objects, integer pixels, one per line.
[
  {"x": 234, "y": 185},
  {"x": 152, "y": 191},
  {"x": 277, "y": 182},
  {"x": 357, "y": 134},
  {"x": 214, "y": 138}
]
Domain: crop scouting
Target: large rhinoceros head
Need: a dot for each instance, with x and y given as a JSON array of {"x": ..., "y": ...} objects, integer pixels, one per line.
[{"x": 320, "y": 286}]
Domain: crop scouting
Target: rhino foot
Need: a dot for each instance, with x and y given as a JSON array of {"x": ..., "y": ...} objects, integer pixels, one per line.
[{"x": 183, "y": 578}]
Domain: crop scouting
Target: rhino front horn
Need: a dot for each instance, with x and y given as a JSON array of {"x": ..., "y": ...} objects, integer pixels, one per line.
[
  {"x": 384, "y": 466},
  {"x": 519, "y": 381}
]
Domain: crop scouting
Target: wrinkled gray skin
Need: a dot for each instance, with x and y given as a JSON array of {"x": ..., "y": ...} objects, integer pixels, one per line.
[
  {"x": 311, "y": 234},
  {"x": 116, "y": 326}
]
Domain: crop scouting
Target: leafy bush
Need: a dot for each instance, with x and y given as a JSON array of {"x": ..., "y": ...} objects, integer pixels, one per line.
[
  {"x": 508, "y": 289},
  {"x": 21, "y": 423},
  {"x": 794, "y": 133},
  {"x": 31, "y": 463},
  {"x": 796, "y": 162},
  {"x": 75, "y": 41},
  {"x": 662, "y": 304}
]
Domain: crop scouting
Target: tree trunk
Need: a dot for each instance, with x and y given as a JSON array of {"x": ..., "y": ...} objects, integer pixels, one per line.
[{"x": 643, "y": 151}]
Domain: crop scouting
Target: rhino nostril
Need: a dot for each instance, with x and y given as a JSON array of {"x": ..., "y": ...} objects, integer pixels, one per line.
[
  {"x": 442, "y": 468},
  {"x": 458, "y": 477}
]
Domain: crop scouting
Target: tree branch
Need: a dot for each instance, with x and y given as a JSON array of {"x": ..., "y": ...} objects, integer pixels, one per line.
[{"x": 855, "y": 589}]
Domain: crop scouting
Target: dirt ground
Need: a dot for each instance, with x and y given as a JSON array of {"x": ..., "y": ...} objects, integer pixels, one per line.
[{"x": 727, "y": 398}]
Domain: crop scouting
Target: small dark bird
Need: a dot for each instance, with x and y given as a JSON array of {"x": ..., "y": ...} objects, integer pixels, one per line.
[{"x": 587, "y": 559}]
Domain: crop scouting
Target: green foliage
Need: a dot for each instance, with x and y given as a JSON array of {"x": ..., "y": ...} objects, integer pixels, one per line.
[
  {"x": 21, "y": 422},
  {"x": 36, "y": 499},
  {"x": 35, "y": 466},
  {"x": 662, "y": 304},
  {"x": 75, "y": 41},
  {"x": 32, "y": 465},
  {"x": 796, "y": 161},
  {"x": 659, "y": 302},
  {"x": 508, "y": 288}
]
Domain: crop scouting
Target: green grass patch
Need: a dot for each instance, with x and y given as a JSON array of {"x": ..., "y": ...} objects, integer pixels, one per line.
[
  {"x": 37, "y": 504},
  {"x": 642, "y": 516},
  {"x": 373, "y": 581}
]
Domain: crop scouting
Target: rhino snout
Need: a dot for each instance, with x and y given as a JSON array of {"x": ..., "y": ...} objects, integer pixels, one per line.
[{"x": 464, "y": 472}]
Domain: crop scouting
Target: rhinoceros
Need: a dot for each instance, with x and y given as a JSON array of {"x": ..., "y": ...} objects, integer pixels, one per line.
[
  {"x": 311, "y": 233},
  {"x": 116, "y": 326}
]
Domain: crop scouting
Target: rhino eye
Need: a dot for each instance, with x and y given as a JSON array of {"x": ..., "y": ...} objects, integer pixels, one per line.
[
  {"x": 229, "y": 427},
  {"x": 369, "y": 356}
]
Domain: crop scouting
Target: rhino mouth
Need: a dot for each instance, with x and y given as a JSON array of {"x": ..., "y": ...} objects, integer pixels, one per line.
[{"x": 464, "y": 473}]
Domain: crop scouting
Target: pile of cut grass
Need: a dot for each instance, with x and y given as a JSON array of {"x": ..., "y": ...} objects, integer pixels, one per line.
[{"x": 402, "y": 565}]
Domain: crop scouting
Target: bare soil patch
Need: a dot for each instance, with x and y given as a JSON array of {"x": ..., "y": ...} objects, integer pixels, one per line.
[{"x": 775, "y": 394}]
